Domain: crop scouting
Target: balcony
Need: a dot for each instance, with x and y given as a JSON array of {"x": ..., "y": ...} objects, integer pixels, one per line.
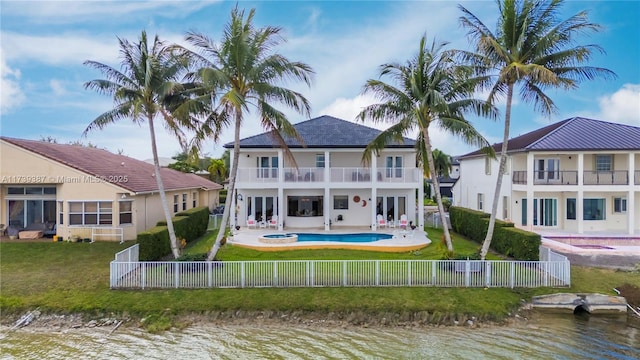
[
  {"x": 336, "y": 175},
  {"x": 617, "y": 177}
]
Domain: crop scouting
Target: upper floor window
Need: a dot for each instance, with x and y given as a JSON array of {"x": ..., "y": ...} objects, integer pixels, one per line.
[
  {"x": 267, "y": 166},
  {"x": 320, "y": 160},
  {"x": 184, "y": 201},
  {"x": 394, "y": 166},
  {"x": 604, "y": 162},
  {"x": 176, "y": 199},
  {"x": 487, "y": 165},
  {"x": 547, "y": 169}
]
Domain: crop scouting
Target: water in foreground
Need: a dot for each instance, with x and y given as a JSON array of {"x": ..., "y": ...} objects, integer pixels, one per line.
[{"x": 544, "y": 337}]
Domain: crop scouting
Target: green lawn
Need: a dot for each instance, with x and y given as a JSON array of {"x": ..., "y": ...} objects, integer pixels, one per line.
[{"x": 74, "y": 277}]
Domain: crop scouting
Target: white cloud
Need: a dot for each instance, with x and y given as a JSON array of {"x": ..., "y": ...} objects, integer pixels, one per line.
[
  {"x": 623, "y": 106},
  {"x": 12, "y": 94},
  {"x": 57, "y": 87}
]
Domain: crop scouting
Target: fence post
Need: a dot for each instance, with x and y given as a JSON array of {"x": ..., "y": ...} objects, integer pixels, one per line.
[
  {"x": 242, "y": 279},
  {"x": 433, "y": 272},
  {"x": 377, "y": 272},
  {"x": 546, "y": 273},
  {"x": 275, "y": 273},
  {"x": 312, "y": 274},
  {"x": 344, "y": 273},
  {"x": 144, "y": 275},
  {"x": 512, "y": 274},
  {"x": 177, "y": 274},
  {"x": 487, "y": 277},
  {"x": 409, "y": 272},
  {"x": 210, "y": 273},
  {"x": 467, "y": 273}
]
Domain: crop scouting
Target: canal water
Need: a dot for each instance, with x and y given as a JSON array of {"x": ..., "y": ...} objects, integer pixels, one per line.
[{"x": 545, "y": 337}]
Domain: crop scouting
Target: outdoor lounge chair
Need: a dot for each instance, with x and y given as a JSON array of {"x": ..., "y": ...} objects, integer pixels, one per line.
[
  {"x": 273, "y": 222},
  {"x": 381, "y": 222},
  {"x": 251, "y": 222},
  {"x": 403, "y": 221}
]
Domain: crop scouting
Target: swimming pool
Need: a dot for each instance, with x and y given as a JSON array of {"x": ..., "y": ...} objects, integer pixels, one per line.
[{"x": 350, "y": 238}]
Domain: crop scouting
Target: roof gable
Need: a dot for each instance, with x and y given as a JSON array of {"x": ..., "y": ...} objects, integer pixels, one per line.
[
  {"x": 140, "y": 176},
  {"x": 323, "y": 132},
  {"x": 574, "y": 134}
]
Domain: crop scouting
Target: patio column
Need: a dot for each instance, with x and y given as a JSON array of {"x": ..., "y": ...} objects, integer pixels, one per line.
[
  {"x": 280, "y": 209},
  {"x": 327, "y": 206},
  {"x": 631, "y": 200},
  {"x": 530, "y": 192},
  {"x": 374, "y": 191},
  {"x": 580, "y": 198},
  {"x": 420, "y": 212},
  {"x": 327, "y": 167}
]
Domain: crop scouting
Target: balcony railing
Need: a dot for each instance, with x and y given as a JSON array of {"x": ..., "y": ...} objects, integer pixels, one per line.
[
  {"x": 336, "y": 175},
  {"x": 617, "y": 177}
]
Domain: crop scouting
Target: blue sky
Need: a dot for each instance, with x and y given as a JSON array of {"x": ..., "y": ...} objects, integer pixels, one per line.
[{"x": 43, "y": 45}]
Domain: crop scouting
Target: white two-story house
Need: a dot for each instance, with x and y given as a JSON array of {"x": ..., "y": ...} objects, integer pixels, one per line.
[
  {"x": 576, "y": 176},
  {"x": 328, "y": 186}
]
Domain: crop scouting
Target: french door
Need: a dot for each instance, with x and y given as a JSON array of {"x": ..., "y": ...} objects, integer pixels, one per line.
[{"x": 545, "y": 212}]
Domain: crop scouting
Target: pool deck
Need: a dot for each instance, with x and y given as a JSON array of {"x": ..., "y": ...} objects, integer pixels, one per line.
[
  {"x": 571, "y": 239},
  {"x": 402, "y": 241}
]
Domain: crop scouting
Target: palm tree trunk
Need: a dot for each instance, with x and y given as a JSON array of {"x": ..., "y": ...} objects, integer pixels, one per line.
[
  {"x": 163, "y": 197},
  {"x": 436, "y": 186},
  {"x": 503, "y": 161},
  {"x": 232, "y": 186}
]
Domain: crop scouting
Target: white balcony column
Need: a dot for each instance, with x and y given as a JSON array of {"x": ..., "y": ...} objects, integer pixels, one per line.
[
  {"x": 580, "y": 198},
  {"x": 280, "y": 171},
  {"x": 327, "y": 167},
  {"x": 327, "y": 205},
  {"x": 372, "y": 203},
  {"x": 280, "y": 207},
  {"x": 631, "y": 199},
  {"x": 420, "y": 214},
  {"x": 530, "y": 192}
]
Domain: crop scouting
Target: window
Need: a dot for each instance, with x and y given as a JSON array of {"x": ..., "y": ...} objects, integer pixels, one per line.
[
  {"x": 594, "y": 209},
  {"x": 305, "y": 205},
  {"x": 394, "y": 166},
  {"x": 571, "y": 209},
  {"x": 487, "y": 165},
  {"x": 505, "y": 207},
  {"x": 604, "y": 162},
  {"x": 31, "y": 190},
  {"x": 176, "y": 198},
  {"x": 267, "y": 166},
  {"x": 90, "y": 213},
  {"x": 184, "y": 201},
  {"x": 320, "y": 160},
  {"x": 60, "y": 212},
  {"x": 619, "y": 204},
  {"x": 341, "y": 202},
  {"x": 194, "y": 197},
  {"x": 547, "y": 170},
  {"x": 480, "y": 201},
  {"x": 126, "y": 212}
]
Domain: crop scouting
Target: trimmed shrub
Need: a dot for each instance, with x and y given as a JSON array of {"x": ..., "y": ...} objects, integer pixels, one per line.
[
  {"x": 188, "y": 225},
  {"x": 507, "y": 240}
]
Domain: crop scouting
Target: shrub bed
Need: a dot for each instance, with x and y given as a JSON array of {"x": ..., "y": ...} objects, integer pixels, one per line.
[{"x": 507, "y": 240}]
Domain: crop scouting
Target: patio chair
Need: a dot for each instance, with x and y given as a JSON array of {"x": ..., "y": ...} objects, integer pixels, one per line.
[
  {"x": 381, "y": 221},
  {"x": 273, "y": 222},
  {"x": 251, "y": 222},
  {"x": 403, "y": 221}
]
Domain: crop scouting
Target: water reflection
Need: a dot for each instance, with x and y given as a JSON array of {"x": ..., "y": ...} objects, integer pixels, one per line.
[{"x": 544, "y": 337}]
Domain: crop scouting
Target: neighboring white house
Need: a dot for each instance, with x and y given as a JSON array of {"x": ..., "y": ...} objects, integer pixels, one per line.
[
  {"x": 447, "y": 182},
  {"x": 577, "y": 175},
  {"x": 330, "y": 187}
]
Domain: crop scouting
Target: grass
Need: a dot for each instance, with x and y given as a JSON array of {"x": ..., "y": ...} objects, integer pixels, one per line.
[{"x": 74, "y": 277}]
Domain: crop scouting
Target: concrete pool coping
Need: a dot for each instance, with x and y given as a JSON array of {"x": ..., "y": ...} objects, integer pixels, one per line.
[
  {"x": 402, "y": 241},
  {"x": 549, "y": 241}
]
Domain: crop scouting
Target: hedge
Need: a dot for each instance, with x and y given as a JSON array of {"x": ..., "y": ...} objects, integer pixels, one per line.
[
  {"x": 188, "y": 225},
  {"x": 507, "y": 240}
]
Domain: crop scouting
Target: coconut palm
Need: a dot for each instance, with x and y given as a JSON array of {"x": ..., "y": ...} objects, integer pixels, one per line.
[
  {"x": 429, "y": 89},
  {"x": 217, "y": 170},
  {"x": 441, "y": 162},
  {"x": 241, "y": 72},
  {"x": 144, "y": 90},
  {"x": 534, "y": 49}
]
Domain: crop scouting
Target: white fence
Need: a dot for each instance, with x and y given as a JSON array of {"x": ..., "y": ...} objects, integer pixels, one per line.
[
  {"x": 336, "y": 273},
  {"x": 99, "y": 233}
]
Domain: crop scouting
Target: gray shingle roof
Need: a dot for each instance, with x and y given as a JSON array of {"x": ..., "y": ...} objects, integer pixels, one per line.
[
  {"x": 575, "y": 134},
  {"x": 323, "y": 132},
  {"x": 101, "y": 163}
]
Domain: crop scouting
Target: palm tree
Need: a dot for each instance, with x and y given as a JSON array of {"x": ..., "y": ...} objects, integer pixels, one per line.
[
  {"x": 429, "y": 89},
  {"x": 532, "y": 48},
  {"x": 217, "y": 170},
  {"x": 146, "y": 88},
  {"x": 442, "y": 163},
  {"x": 241, "y": 72}
]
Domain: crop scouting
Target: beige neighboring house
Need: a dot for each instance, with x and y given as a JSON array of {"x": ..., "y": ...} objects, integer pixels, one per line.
[{"x": 71, "y": 190}]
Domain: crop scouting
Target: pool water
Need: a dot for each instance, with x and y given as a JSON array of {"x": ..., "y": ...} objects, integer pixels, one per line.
[{"x": 352, "y": 238}]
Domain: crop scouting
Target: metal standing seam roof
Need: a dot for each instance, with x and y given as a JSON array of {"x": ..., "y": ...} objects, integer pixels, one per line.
[
  {"x": 140, "y": 175},
  {"x": 574, "y": 134},
  {"x": 323, "y": 132}
]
